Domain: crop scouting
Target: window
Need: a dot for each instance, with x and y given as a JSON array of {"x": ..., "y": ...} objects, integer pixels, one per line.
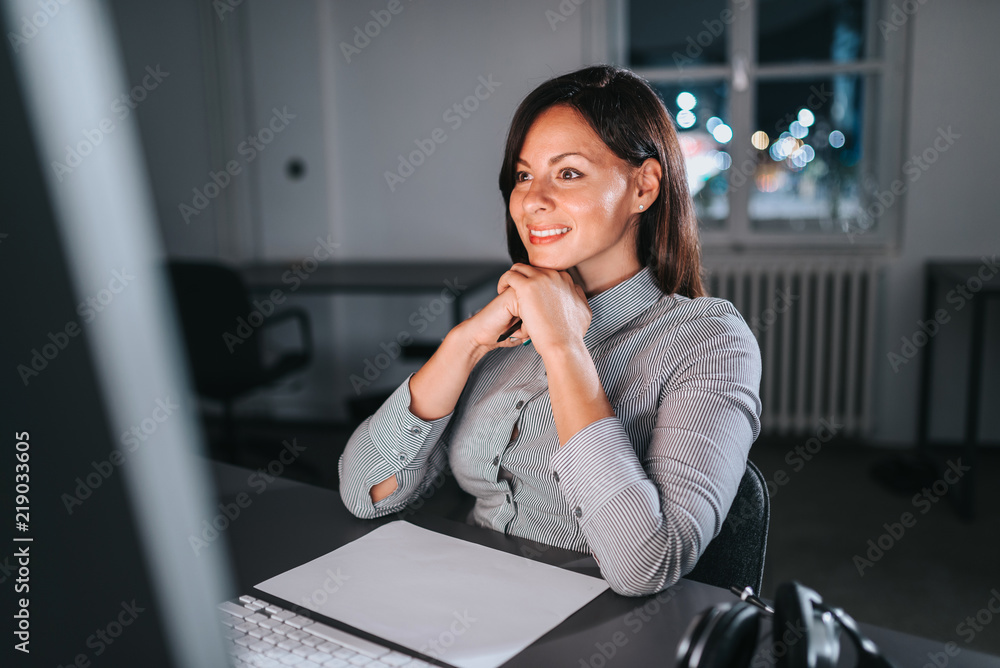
[{"x": 788, "y": 112}]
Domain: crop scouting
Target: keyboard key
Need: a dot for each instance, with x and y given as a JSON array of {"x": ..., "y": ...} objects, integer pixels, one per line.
[
  {"x": 257, "y": 618},
  {"x": 260, "y": 646},
  {"x": 261, "y": 661},
  {"x": 394, "y": 659},
  {"x": 349, "y": 641},
  {"x": 283, "y": 614},
  {"x": 258, "y": 632},
  {"x": 276, "y": 653},
  {"x": 308, "y": 664},
  {"x": 285, "y": 629},
  {"x": 344, "y": 653},
  {"x": 269, "y": 623},
  {"x": 233, "y": 609},
  {"x": 377, "y": 664},
  {"x": 289, "y": 644},
  {"x": 274, "y": 638},
  {"x": 303, "y": 651},
  {"x": 229, "y": 620},
  {"x": 292, "y": 659},
  {"x": 231, "y": 634},
  {"x": 328, "y": 647},
  {"x": 360, "y": 660},
  {"x": 319, "y": 657},
  {"x": 312, "y": 641},
  {"x": 296, "y": 634},
  {"x": 336, "y": 663},
  {"x": 298, "y": 621},
  {"x": 245, "y": 641},
  {"x": 245, "y": 627},
  {"x": 247, "y": 599}
]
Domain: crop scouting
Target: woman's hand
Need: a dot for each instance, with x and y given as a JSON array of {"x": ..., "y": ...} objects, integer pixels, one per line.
[
  {"x": 553, "y": 308},
  {"x": 482, "y": 329}
]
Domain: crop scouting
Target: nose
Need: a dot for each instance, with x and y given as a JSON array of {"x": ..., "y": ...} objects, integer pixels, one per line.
[{"x": 536, "y": 199}]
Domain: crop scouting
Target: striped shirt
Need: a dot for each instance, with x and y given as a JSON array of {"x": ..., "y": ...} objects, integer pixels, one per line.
[{"x": 644, "y": 491}]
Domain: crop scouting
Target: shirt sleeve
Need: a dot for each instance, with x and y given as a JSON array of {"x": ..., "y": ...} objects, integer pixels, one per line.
[
  {"x": 647, "y": 522},
  {"x": 392, "y": 441}
]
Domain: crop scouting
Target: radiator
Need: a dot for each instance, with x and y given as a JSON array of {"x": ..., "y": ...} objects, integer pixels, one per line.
[{"x": 814, "y": 319}]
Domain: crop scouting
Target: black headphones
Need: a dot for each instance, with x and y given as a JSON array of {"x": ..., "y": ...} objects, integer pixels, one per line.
[{"x": 805, "y": 633}]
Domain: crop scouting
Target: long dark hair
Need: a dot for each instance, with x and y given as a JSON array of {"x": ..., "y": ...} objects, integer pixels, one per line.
[{"x": 628, "y": 116}]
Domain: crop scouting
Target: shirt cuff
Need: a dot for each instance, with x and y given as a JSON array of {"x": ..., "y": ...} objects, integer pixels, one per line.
[
  {"x": 399, "y": 435},
  {"x": 594, "y": 466}
]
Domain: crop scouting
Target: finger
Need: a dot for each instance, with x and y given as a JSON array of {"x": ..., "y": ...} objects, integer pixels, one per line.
[{"x": 510, "y": 279}]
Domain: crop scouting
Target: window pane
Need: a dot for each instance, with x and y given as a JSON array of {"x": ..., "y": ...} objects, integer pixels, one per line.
[
  {"x": 678, "y": 34},
  {"x": 807, "y": 147},
  {"x": 810, "y": 30},
  {"x": 701, "y": 118}
]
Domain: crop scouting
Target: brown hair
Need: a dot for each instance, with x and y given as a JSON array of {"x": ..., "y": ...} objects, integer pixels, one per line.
[{"x": 629, "y": 117}]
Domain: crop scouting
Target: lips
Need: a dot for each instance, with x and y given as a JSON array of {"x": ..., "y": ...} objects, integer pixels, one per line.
[{"x": 547, "y": 235}]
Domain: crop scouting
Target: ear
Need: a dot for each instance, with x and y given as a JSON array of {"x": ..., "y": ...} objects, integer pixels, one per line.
[{"x": 647, "y": 183}]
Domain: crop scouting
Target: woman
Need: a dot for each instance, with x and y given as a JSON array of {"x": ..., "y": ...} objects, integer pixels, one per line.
[{"x": 618, "y": 417}]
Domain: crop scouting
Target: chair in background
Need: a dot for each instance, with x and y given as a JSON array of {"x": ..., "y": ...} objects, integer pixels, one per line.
[
  {"x": 735, "y": 558},
  {"x": 226, "y": 357}
]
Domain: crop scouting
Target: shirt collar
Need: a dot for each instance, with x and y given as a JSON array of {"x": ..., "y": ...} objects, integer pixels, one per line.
[{"x": 620, "y": 304}]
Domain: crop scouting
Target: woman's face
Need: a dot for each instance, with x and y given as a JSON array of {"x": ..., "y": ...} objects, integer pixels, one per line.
[{"x": 570, "y": 186}]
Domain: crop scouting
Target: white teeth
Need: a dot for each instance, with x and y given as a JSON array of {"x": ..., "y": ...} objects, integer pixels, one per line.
[{"x": 549, "y": 233}]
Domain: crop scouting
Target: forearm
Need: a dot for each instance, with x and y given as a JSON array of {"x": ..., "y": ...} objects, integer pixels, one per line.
[
  {"x": 436, "y": 387},
  {"x": 575, "y": 390}
]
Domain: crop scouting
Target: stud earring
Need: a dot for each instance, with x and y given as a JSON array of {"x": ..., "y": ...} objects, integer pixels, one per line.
[{"x": 640, "y": 207}]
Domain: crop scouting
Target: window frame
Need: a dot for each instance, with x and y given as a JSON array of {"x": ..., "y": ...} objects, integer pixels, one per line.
[{"x": 885, "y": 81}]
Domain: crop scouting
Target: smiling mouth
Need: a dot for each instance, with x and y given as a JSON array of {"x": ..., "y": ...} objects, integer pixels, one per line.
[{"x": 547, "y": 234}]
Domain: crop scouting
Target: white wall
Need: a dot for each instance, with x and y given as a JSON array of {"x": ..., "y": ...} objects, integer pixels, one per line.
[{"x": 950, "y": 213}]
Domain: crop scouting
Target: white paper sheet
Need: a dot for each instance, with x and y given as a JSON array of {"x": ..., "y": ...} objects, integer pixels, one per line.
[{"x": 466, "y": 604}]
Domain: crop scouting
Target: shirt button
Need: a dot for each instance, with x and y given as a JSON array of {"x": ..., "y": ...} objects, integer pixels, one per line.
[
  {"x": 519, "y": 404},
  {"x": 414, "y": 430},
  {"x": 496, "y": 460},
  {"x": 578, "y": 512},
  {"x": 555, "y": 474}
]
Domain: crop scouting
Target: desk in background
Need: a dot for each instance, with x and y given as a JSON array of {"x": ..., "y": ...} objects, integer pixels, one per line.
[
  {"x": 383, "y": 278},
  {"x": 291, "y": 523}
]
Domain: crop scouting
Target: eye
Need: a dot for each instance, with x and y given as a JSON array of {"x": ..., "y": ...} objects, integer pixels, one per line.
[
  {"x": 572, "y": 172},
  {"x": 520, "y": 177}
]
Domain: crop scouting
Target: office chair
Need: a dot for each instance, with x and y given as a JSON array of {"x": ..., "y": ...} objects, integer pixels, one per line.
[
  {"x": 735, "y": 558},
  {"x": 223, "y": 333}
]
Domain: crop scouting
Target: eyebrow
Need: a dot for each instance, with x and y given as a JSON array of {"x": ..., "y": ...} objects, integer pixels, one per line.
[{"x": 556, "y": 158}]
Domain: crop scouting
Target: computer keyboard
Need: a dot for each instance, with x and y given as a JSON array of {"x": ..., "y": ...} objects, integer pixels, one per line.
[{"x": 264, "y": 635}]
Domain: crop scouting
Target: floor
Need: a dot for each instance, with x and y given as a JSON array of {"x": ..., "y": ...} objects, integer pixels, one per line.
[{"x": 925, "y": 573}]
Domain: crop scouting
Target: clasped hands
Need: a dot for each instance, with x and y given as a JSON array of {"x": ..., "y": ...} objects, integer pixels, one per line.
[{"x": 552, "y": 307}]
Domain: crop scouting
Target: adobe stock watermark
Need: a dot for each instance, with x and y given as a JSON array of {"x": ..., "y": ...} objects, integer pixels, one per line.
[
  {"x": 420, "y": 319},
  {"x": 968, "y": 629},
  {"x": 248, "y": 149},
  {"x": 331, "y": 585},
  {"x": 957, "y": 297},
  {"x": 363, "y": 36},
  {"x": 266, "y": 307},
  {"x": 923, "y": 501},
  {"x": 259, "y": 480},
  {"x": 913, "y": 169},
  {"x": 636, "y": 619},
  {"x": 122, "y": 106},
  {"x": 88, "y": 310},
  {"x": 436, "y": 646},
  {"x": 131, "y": 440},
  {"x": 563, "y": 11},
  {"x": 898, "y": 16},
  {"x": 31, "y": 25},
  {"x": 454, "y": 116},
  {"x": 105, "y": 636},
  {"x": 796, "y": 459},
  {"x": 780, "y": 305},
  {"x": 713, "y": 30}
]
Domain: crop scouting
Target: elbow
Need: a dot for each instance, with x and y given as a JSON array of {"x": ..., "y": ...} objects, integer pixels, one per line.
[
  {"x": 357, "y": 506},
  {"x": 652, "y": 568}
]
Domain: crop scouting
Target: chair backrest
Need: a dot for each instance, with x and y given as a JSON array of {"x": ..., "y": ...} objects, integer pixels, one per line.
[
  {"x": 736, "y": 556},
  {"x": 221, "y": 341}
]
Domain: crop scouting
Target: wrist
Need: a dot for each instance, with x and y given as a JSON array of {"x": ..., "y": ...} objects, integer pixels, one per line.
[{"x": 463, "y": 345}]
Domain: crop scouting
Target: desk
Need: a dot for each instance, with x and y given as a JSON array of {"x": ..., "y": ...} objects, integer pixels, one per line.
[
  {"x": 375, "y": 277},
  {"x": 266, "y": 541}
]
